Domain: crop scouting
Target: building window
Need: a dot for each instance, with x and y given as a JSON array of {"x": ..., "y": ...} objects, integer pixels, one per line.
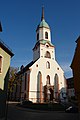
[
  {"x": 48, "y": 65},
  {"x": 36, "y": 65},
  {"x": 48, "y": 80},
  {"x": 37, "y": 36},
  {"x": 48, "y": 54},
  {"x": 0, "y": 64},
  {"x": 46, "y": 35},
  {"x": 47, "y": 46},
  {"x": 58, "y": 68}
]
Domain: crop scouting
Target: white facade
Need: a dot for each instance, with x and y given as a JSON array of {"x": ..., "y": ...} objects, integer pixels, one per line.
[
  {"x": 45, "y": 74},
  {"x": 42, "y": 33},
  {"x": 42, "y": 67}
]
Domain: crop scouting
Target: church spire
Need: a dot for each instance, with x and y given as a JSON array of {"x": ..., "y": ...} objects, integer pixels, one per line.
[{"x": 42, "y": 18}]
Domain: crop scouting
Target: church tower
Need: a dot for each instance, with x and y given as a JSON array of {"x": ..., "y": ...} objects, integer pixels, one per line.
[
  {"x": 43, "y": 46},
  {"x": 43, "y": 78}
]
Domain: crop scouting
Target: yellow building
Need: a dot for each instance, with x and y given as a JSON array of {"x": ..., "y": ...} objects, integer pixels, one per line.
[
  {"x": 5, "y": 56},
  {"x": 76, "y": 70}
]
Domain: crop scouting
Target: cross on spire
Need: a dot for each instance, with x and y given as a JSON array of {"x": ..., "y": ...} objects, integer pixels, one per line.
[{"x": 42, "y": 13}]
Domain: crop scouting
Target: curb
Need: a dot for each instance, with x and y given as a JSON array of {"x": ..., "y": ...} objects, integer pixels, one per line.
[{"x": 39, "y": 111}]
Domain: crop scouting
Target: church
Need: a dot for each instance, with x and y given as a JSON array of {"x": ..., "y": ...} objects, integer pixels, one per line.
[{"x": 42, "y": 80}]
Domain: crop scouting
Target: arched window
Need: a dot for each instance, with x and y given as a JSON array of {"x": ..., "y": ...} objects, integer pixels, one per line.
[
  {"x": 48, "y": 80},
  {"x": 37, "y": 36},
  {"x": 46, "y": 35},
  {"x": 48, "y": 54},
  {"x": 48, "y": 65},
  {"x": 0, "y": 64}
]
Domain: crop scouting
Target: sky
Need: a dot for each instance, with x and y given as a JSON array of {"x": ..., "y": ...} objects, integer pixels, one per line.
[{"x": 20, "y": 18}]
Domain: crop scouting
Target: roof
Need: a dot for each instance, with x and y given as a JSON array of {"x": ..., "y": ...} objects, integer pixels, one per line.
[
  {"x": 43, "y": 23},
  {"x": 43, "y": 42},
  {"x": 6, "y": 48},
  {"x": 78, "y": 39},
  {"x": 71, "y": 78},
  {"x": 46, "y": 41},
  {"x": 26, "y": 67},
  {"x": 29, "y": 65},
  {"x": 70, "y": 83}
]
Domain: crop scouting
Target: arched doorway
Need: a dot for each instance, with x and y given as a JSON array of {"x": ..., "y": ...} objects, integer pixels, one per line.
[
  {"x": 51, "y": 93},
  {"x": 48, "y": 80},
  {"x": 48, "y": 90}
]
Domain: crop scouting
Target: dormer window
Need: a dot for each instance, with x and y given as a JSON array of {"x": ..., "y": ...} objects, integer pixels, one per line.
[
  {"x": 46, "y": 35},
  {"x": 37, "y": 36},
  {"x": 0, "y": 64}
]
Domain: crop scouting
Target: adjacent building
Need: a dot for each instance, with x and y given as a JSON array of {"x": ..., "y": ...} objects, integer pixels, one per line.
[
  {"x": 5, "y": 56},
  {"x": 70, "y": 88},
  {"x": 43, "y": 79},
  {"x": 75, "y": 65}
]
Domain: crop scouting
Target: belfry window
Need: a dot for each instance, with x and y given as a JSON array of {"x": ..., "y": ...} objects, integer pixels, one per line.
[
  {"x": 46, "y": 35},
  {"x": 0, "y": 64},
  {"x": 47, "y": 55}
]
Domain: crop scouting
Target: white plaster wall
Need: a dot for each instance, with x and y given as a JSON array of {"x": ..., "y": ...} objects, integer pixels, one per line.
[
  {"x": 42, "y": 34},
  {"x": 43, "y": 50},
  {"x": 40, "y": 51},
  {"x": 51, "y": 72}
]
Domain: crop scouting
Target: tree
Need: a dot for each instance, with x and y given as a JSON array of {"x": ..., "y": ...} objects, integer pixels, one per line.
[{"x": 11, "y": 82}]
